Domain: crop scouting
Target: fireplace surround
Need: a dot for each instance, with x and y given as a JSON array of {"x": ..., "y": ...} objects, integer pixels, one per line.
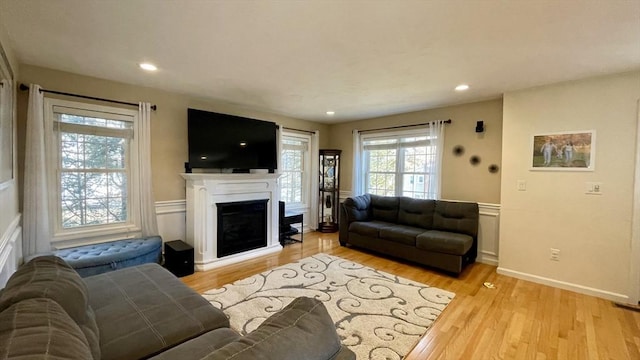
[{"x": 207, "y": 194}]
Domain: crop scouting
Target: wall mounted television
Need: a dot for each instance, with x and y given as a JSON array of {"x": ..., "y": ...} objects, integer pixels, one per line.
[{"x": 228, "y": 142}]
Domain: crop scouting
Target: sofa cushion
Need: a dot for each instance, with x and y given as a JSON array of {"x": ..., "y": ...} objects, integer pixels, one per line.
[
  {"x": 145, "y": 309},
  {"x": 444, "y": 242},
  {"x": 416, "y": 212},
  {"x": 50, "y": 277},
  {"x": 401, "y": 234},
  {"x": 39, "y": 328},
  {"x": 358, "y": 207},
  {"x": 384, "y": 208},
  {"x": 369, "y": 228},
  {"x": 201, "y": 346},
  {"x": 459, "y": 217},
  {"x": 304, "y": 323}
]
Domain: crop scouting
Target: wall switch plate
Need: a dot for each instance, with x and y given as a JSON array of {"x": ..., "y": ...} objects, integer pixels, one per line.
[
  {"x": 522, "y": 185},
  {"x": 594, "y": 188},
  {"x": 554, "y": 254}
]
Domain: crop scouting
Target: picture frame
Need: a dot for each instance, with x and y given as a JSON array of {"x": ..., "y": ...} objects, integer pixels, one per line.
[
  {"x": 564, "y": 151},
  {"x": 7, "y": 93}
]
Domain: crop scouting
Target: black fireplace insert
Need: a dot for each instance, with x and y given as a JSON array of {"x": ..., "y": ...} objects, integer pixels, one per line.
[{"x": 242, "y": 226}]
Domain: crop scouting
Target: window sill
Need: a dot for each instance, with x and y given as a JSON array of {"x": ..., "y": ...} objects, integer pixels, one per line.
[{"x": 84, "y": 236}]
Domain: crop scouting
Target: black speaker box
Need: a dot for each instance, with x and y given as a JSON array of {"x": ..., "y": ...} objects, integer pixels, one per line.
[{"x": 178, "y": 257}]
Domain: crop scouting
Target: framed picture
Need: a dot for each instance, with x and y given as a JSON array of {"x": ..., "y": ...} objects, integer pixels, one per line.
[{"x": 564, "y": 151}]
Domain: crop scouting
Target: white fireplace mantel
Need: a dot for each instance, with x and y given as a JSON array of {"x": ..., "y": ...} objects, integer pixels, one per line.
[{"x": 204, "y": 191}]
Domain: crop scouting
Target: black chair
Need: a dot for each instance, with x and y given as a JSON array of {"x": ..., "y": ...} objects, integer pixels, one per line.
[{"x": 286, "y": 230}]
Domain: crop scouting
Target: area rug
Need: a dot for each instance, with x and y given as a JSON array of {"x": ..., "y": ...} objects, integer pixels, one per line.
[{"x": 377, "y": 315}]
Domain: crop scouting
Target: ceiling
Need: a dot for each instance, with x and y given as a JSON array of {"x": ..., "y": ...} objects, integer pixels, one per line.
[{"x": 361, "y": 59}]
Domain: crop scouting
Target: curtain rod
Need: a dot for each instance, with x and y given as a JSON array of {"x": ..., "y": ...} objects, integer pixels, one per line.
[
  {"x": 448, "y": 121},
  {"x": 24, "y": 87},
  {"x": 300, "y": 130}
]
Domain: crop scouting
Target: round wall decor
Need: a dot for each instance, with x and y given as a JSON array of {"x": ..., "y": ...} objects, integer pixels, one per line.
[
  {"x": 458, "y": 150},
  {"x": 474, "y": 160},
  {"x": 493, "y": 168}
]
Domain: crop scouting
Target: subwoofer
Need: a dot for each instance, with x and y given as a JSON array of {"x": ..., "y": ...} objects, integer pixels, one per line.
[{"x": 178, "y": 258}]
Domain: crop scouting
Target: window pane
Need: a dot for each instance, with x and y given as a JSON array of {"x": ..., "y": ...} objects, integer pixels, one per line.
[
  {"x": 92, "y": 121},
  {"x": 292, "y": 179},
  {"x": 93, "y": 174},
  {"x": 381, "y": 184},
  {"x": 382, "y": 160},
  {"x": 400, "y": 165}
]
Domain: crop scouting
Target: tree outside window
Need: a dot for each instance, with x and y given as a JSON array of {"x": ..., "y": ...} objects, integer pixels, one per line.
[{"x": 93, "y": 170}]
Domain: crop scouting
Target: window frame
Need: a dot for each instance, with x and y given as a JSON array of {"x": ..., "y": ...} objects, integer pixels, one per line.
[
  {"x": 101, "y": 232},
  {"x": 306, "y": 170},
  {"x": 399, "y": 170}
]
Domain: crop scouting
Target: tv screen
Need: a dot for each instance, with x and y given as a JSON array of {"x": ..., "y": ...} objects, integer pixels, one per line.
[{"x": 221, "y": 141}]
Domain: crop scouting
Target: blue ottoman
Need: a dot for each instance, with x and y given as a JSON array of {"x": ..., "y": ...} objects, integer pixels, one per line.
[{"x": 99, "y": 258}]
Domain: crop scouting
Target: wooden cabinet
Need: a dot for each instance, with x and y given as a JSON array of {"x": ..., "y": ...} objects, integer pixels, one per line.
[{"x": 329, "y": 186}]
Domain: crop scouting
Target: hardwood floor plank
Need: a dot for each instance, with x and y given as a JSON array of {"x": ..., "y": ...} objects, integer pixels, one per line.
[{"x": 516, "y": 320}]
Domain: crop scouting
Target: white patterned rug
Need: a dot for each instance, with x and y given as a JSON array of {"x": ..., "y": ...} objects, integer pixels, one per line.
[{"x": 377, "y": 315}]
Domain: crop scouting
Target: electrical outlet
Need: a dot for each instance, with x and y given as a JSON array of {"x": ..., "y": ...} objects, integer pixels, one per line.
[
  {"x": 521, "y": 185},
  {"x": 555, "y": 254},
  {"x": 593, "y": 188}
]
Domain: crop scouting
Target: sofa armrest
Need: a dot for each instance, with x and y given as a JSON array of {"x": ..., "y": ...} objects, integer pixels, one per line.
[
  {"x": 302, "y": 330},
  {"x": 357, "y": 208}
]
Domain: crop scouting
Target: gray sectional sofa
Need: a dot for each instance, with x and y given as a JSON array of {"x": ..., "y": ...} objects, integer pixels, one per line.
[
  {"x": 144, "y": 312},
  {"x": 437, "y": 233}
]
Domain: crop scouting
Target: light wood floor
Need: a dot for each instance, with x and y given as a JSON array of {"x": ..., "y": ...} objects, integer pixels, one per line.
[{"x": 517, "y": 320}]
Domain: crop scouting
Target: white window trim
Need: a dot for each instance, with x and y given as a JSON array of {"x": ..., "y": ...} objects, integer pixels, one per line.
[
  {"x": 91, "y": 233},
  {"x": 306, "y": 177}
]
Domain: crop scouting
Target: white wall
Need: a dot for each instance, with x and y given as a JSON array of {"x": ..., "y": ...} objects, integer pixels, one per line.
[
  {"x": 10, "y": 230},
  {"x": 593, "y": 232}
]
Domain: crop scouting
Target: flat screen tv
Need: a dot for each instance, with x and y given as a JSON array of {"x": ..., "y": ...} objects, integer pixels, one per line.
[{"x": 228, "y": 142}]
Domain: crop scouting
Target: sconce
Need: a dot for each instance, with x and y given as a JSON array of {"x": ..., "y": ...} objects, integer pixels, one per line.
[{"x": 480, "y": 126}]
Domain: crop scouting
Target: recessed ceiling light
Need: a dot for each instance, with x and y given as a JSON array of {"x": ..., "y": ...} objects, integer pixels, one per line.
[
  {"x": 330, "y": 113},
  {"x": 148, "y": 67},
  {"x": 462, "y": 87}
]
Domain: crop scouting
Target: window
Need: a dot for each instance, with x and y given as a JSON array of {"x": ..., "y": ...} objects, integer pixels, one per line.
[
  {"x": 94, "y": 168},
  {"x": 295, "y": 181},
  {"x": 401, "y": 164}
]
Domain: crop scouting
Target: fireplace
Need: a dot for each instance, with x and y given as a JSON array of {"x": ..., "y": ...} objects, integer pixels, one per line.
[
  {"x": 242, "y": 226},
  {"x": 215, "y": 199}
]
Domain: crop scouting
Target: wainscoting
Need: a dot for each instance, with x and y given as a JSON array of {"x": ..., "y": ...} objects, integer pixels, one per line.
[
  {"x": 172, "y": 215},
  {"x": 10, "y": 250}
]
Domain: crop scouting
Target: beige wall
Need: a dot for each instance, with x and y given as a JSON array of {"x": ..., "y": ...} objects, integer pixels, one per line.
[
  {"x": 460, "y": 180},
  {"x": 593, "y": 232},
  {"x": 169, "y": 122}
]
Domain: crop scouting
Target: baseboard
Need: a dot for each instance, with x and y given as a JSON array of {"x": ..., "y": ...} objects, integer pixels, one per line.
[
  {"x": 565, "y": 285},
  {"x": 488, "y": 258}
]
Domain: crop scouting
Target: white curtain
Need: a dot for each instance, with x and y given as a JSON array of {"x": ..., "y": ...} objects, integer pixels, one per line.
[
  {"x": 315, "y": 178},
  {"x": 36, "y": 222},
  {"x": 435, "y": 131},
  {"x": 149, "y": 221},
  {"x": 357, "y": 186}
]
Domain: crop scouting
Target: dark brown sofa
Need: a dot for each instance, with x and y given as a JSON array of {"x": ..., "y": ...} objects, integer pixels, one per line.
[
  {"x": 437, "y": 233},
  {"x": 48, "y": 311}
]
